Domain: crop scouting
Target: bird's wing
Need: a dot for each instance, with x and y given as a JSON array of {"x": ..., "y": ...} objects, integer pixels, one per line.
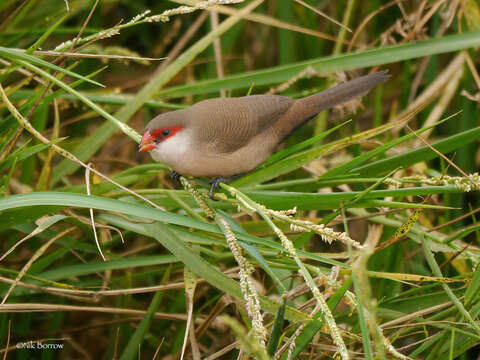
[{"x": 227, "y": 124}]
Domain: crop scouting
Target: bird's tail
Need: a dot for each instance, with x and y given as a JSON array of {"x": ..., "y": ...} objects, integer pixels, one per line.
[{"x": 303, "y": 109}]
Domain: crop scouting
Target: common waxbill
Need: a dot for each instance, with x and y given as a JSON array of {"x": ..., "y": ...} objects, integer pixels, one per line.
[{"x": 224, "y": 137}]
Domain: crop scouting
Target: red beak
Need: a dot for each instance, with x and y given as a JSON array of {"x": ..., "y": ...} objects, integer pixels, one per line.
[{"x": 147, "y": 142}]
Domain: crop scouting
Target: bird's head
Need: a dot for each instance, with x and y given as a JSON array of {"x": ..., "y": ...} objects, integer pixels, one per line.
[{"x": 160, "y": 129}]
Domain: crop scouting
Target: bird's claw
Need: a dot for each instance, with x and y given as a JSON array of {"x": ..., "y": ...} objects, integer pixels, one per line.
[
  {"x": 174, "y": 175},
  {"x": 215, "y": 184}
]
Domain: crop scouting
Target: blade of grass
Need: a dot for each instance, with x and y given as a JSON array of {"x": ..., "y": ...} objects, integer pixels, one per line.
[
  {"x": 131, "y": 350},
  {"x": 327, "y": 65},
  {"x": 316, "y": 324},
  {"x": 473, "y": 290},
  {"x": 37, "y": 200},
  {"x": 300, "y": 146},
  {"x": 200, "y": 267},
  {"x": 25, "y": 152},
  {"x": 423, "y": 153},
  {"x": 92, "y": 143},
  {"x": 22, "y": 58},
  {"x": 360, "y": 160},
  {"x": 46, "y": 34},
  {"x": 277, "y": 329},
  {"x": 94, "y": 267},
  {"x": 325, "y": 201},
  {"x": 437, "y": 272},
  {"x": 125, "y": 128}
]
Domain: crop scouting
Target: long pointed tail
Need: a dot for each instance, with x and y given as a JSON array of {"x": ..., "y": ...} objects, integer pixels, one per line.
[{"x": 307, "y": 107}]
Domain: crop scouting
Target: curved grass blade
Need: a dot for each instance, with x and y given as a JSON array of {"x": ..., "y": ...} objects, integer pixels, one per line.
[
  {"x": 277, "y": 329},
  {"x": 421, "y": 154},
  {"x": 316, "y": 324},
  {"x": 360, "y": 160},
  {"x": 331, "y": 64},
  {"x": 136, "y": 340},
  {"x": 21, "y": 58},
  {"x": 24, "y": 153},
  {"x": 300, "y": 146},
  {"x": 328, "y": 201},
  {"x": 51, "y": 201},
  {"x": 253, "y": 251},
  {"x": 198, "y": 265},
  {"x": 94, "y": 267}
]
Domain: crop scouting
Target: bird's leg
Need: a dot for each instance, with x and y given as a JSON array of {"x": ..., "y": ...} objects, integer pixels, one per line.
[
  {"x": 215, "y": 183},
  {"x": 175, "y": 179},
  {"x": 174, "y": 175}
]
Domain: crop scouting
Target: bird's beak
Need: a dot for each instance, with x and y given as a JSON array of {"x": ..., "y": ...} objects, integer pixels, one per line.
[{"x": 147, "y": 142}]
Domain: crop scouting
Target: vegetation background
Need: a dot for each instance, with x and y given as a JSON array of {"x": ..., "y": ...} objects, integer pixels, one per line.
[{"x": 377, "y": 257}]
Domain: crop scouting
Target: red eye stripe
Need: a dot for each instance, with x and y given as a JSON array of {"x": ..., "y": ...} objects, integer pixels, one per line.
[{"x": 160, "y": 135}]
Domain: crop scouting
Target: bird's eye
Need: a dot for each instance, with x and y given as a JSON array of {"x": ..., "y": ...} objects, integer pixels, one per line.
[{"x": 165, "y": 132}]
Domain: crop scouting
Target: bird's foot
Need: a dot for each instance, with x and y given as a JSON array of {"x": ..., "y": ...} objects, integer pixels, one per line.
[
  {"x": 174, "y": 175},
  {"x": 215, "y": 183}
]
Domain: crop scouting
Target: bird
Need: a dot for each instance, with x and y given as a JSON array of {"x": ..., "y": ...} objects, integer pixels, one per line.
[{"x": 223, "y": 138}]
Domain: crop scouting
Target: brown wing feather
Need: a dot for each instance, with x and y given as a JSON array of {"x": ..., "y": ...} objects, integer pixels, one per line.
[{"x": 226, "y": 124}]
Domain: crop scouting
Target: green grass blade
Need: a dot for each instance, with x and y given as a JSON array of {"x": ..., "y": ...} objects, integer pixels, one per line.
[
  {"x": 437, "y": 272},
  {"x": 473, "y": 291},
  {"x": 315, "y": 325},
  {"x": 328, "y": 201},
  {"x": 136, "y": 340},
  {"x": 327, "y": 65},
  {"x": 66, "y": 272},
  {"x": 367, "y": 344},
  {"x": 120, "y": 125},
  {"x": 46, "y": 200},
  {"x": 99, "y": 203},
  {"x": 23, "y": 58},
  {"x": 300, "y": 146},
  {"x": 360, "y": 160},
  {"x": 25, "y": 153},
  {"x": 277, "y": 329},
  {"x": 198, "y": 265},
  {"x": 421, "y": 154}
]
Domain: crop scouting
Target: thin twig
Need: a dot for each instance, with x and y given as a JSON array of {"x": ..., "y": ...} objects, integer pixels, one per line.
[
  {"x": 35, "y": 256},
  {"x": 87, "y": 184},
  {"x": 321, "y": 13},
  {"x": 84, "y": 55},
  {"x": 217, "y": 50}
]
